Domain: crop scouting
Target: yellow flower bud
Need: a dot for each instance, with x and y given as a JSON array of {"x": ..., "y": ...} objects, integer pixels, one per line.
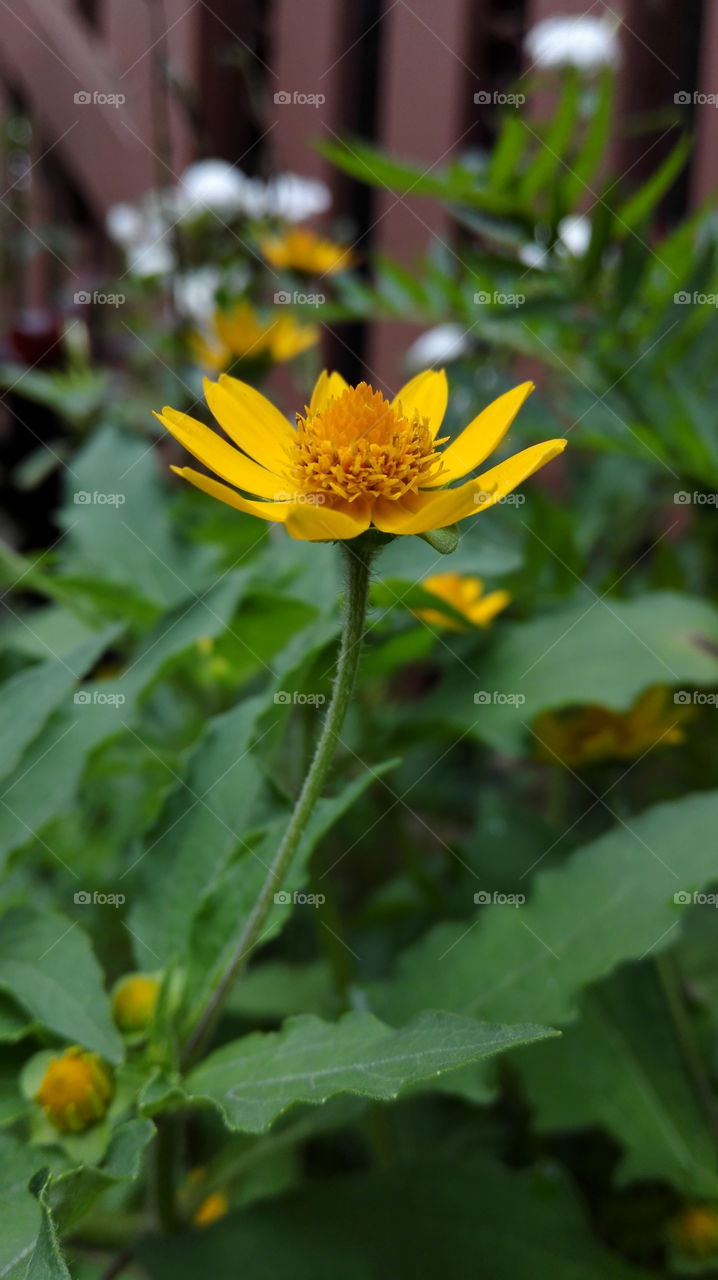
[
  {"x": 134, "y": 1000},
  {"x": 76, "y": 1090},
  {"x": 213, "y": 1207},
  {"x": 695, "y": 1231}
]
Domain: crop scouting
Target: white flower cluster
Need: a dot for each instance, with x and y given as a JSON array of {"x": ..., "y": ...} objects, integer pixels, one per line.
[
  {"x": 585, "y": 42},
  {"x": 144, "y": 231}
]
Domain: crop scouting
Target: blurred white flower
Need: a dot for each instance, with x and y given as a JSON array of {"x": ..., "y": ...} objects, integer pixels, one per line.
[
  {"x": 575, "y": 235},
  {"x": 211, "y": 185},
  {"x": 124, "y": 223},
  {"x": 533, "y": 255},
  {"x": 150, "y": 258},
  {"x": 294, "y": 198},
  {"x": 585, "y": 42},
  {"x": 195, "y": 294},
  {"x": 438, "y": 345}
]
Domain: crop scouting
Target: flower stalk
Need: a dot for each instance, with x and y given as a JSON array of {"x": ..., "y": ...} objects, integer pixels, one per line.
[{"x": 357, "y": 558}]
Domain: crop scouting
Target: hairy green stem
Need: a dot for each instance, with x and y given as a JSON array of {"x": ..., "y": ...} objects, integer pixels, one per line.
[{"x": 357, "y": 562}]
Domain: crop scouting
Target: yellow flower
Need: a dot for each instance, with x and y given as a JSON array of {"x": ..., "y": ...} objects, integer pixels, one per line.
[
  {"x": 695, "y": 1231},
  {"x": 76, "y": 1090},
  {"x": 465, "y": 595},
  {"x": 134, "y": 1000},
  {"x": 593, "y": 733},
  {"x": 213, "y": 1207},
  {"x": 242, "y": 333},
  {"x": 355, "y": 458},
  {"x": 299, "y": 249}
]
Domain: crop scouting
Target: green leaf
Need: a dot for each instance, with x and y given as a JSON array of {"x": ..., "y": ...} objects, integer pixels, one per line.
[
  {"x": 422, "y": 1220},
  {"x": 21, "y": 1216},
  {"x": 621, "y": 1068},
  {"x": 640, "y": 205},
  {"x": 47, "y": 965},
  {"x": 29, "y": 697},
  {"x": 594, "y": 651},
  {"x": 255, "y": 1080},
  {"x": 46, "y": 1261},
  {"x": 612, "y": 902},
  {"x": 442, "y": 540},
  {"x": 226, "y": 907}
]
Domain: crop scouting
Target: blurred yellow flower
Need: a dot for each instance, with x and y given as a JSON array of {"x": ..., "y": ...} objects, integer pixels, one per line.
[
  {"x": 242, "y": 333},
  {"x": 134, "y": 1000},
  {"x": 213, "y": 1207},
  {"x": 76, "y": 1090},
  {"x": 465, "y": 595},
  {"x": 299, "y": 249},
  {"x": 355, "y": 458},
  {"x": 589, "y": 734},
  {"x": 695, "y": 1231}
]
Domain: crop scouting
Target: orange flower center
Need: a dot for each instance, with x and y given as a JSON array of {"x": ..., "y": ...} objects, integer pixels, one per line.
[{"x": 361, "y": 446}]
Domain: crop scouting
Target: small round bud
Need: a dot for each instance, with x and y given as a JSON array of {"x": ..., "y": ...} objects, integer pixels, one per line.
[
  {"x": 214, "y": 1206},
  {"x": 76, "y": 1090},
  {"x": 134, "y": 1000}
]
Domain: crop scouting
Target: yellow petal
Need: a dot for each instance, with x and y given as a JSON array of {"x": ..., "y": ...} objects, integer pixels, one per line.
[
  {"x": 215, "y": 453},
  {"x": 481, "y": 437},
  {"x": 427, "y": 395},
  {"x": 311, "y": 522},
  {"x": 416, "y": 513},
  {"x": 486, "y": 609},
  {"x": 329, "y": 386},
  {"x": 274, "y": 511},
  {"x": 251, "y": 421}
]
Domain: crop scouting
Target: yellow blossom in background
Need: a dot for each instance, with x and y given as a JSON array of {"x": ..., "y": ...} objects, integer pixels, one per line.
[
  {"x": 465, "y": 595},
  {"x": 242, "y": 333},
  {"x": 213, "y": 1206},
  {"x": 355, "y": 459},
  {"x": 76, "y": 1090},
  {"x": 134, "y": 1000},
  {"x": 695, "y": 1231},
  {"x": 299, "y": 249},
  {"x": 589, "y": 734}
]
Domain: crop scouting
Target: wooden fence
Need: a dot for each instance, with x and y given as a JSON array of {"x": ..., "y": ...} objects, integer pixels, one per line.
[{"x": 123, "y": 93}]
